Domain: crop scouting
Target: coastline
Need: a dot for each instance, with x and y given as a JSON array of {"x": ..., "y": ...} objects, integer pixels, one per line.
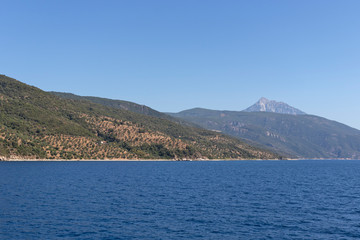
[
  {"x": 159, "y": 160},
  {"x": 3, "y": 159},
  {"x": 85, "y": 160}
]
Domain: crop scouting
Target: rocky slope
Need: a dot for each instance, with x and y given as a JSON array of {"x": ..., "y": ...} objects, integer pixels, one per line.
[{"x": 265, "y": 105}]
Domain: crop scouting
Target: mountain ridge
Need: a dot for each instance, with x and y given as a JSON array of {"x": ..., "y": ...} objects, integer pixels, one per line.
[{"x": 122, "y": 105}]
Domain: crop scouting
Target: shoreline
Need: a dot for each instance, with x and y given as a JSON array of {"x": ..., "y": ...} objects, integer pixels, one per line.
[{"x": 160, "y": 160}]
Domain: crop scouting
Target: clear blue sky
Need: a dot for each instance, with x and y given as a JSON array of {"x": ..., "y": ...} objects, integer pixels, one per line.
[{"x": 177, "y": 54}]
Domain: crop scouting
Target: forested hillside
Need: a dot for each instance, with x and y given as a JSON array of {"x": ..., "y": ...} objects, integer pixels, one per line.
[{"x": 37, "y": 124}]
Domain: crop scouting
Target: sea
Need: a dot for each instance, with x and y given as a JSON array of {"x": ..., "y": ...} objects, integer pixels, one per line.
[{"x": 308, "y": 199}]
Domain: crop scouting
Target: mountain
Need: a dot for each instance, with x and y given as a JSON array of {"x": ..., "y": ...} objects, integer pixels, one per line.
[
  {"x": 119, "y": 104},
  {"x": 297, "y": 136},
  {"x": 122, "y": 105},
  {"x": 38, "y": 124},
  {"x": 265, "y": 105}
]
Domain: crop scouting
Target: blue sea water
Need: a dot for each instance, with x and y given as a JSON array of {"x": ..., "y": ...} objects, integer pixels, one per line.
[{"x": 180, "y": 200}]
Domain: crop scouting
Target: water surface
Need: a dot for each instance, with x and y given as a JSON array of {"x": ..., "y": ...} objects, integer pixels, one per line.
[{"x": 180, "y": 200}]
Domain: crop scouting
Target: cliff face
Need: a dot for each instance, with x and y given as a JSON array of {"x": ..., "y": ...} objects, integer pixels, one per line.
[{"x": 36, "y": 124}]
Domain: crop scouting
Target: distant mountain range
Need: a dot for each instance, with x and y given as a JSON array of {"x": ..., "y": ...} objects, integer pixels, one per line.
[
  {"x": 274, "y": 125},
  {"x": 265, "y": 105},
  {"x": 281, "y": 128},
  {"x": 37, "y": 124}
]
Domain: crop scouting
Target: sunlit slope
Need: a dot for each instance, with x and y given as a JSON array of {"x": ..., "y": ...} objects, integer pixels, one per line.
[{"x": 37, "y": 124}]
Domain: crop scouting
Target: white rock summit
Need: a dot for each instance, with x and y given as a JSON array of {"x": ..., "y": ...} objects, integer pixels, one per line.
[{"x": 266, "y": 105}]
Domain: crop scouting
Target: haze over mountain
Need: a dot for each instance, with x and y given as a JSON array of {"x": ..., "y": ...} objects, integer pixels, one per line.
[
  {"x": 265, "y": 105},
  {"x": 294, "y": 134},
  {"x": 38, "y": 124}
]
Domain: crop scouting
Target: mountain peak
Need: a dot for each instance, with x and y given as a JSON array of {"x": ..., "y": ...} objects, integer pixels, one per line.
[
  {"x": 264, "y": 100},
  {"x": 266, "y": 105}
]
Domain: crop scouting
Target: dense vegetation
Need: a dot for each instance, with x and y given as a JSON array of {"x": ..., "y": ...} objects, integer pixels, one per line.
[
  {"x": 300, "y": 136},
  {"x": 37, "y": 124},
  {"x": 123, "y": 105},
  {"x": 119, "y": 104}
]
